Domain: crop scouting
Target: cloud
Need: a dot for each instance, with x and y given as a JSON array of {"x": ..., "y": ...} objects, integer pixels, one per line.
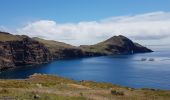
[
  {"x": 149, "y": 26},
  {"x": 4, "y": 29}
]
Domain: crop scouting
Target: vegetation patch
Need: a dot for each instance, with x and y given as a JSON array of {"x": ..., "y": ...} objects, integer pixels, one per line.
[
  {"x": 4, "y": 91},
  {"x": 115, "y": 92}
]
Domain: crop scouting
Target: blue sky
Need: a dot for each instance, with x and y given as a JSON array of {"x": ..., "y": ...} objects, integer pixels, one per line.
[
  {"x": 88, "y": 21},
  {"x": 14, "y": 12}
]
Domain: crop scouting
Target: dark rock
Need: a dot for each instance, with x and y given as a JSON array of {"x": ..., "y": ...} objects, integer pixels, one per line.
[
  {"x": 6, "y": 57},
  {"x": 22, "y": 52},
  {"x": 36, "y": 96},
  {"x": 29, "y": 51}
]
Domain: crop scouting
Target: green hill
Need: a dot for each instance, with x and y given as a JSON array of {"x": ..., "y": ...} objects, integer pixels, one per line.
[{"x": 116, "y": 45}]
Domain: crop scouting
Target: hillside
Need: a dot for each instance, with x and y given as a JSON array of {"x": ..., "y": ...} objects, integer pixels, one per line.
[
  {"x": 60, "y": 50},
  {"x": 116, "y": 45},
  {"x": 53, "y": 45},
  {"x": 47, "y": 87},
  {"x": 4, "y": 36}
]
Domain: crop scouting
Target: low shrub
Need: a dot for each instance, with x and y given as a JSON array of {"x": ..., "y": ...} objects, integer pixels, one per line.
[
  {"x": 115, "y": 92},
  {"x": 4, "y": 91}
]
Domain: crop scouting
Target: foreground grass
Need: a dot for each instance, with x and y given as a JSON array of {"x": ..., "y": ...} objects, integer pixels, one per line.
[{"x": 46, "y": 87}]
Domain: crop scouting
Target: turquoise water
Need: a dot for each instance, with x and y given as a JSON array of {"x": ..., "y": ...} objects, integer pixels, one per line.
[{"x": 125, "y": 70}]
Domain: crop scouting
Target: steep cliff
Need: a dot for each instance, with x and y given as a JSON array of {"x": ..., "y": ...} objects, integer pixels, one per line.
[
  {"x": 61, "y": 50},
  {"x": 21, "y": 50}
]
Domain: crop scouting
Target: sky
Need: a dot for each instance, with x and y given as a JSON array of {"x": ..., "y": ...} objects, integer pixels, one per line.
[{"x": 80, "y": 22}]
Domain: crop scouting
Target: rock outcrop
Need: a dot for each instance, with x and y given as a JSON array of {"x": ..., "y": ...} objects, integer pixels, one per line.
[
  {"x": 6, "y": 57},
  {"x": 22, "y": 51}
]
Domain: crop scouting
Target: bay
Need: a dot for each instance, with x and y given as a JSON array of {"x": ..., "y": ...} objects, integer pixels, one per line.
[{"x": 124, "y": 70}]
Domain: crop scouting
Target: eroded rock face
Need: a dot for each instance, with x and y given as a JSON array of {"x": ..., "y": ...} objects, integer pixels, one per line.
[
  {"x": 73, "y": 53},
  {"x": 25, "y": 52},
  {"x": 6, "y": 57},
  {"x": 29, "y": 51},
  {"x": 66, "y": 53}
]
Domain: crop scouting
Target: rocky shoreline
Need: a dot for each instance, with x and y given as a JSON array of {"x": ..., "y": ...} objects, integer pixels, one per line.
[{"x": 19, "y": 50}]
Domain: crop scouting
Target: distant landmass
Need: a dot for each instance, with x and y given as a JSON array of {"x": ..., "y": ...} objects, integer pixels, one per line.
[{"x": 20, "y": 50}]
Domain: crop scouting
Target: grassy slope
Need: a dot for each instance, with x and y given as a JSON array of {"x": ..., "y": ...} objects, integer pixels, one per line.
[
  {"x": 53, "y": 45},
  {"x": 101, "y": 47},
  {"x": 8, "y": 37},
  {"x": 46, "y": 87},
  {"x": 94, "y": 48},
  {"x": 110, "y": 45}
]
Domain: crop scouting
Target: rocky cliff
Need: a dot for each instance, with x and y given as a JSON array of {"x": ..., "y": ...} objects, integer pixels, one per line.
[
  {"x": 18, "y": 50},
  {"x": 21, "y": 50},
  {"x": 61, "y": 50}
]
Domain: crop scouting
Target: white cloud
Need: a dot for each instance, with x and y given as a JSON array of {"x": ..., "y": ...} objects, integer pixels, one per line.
[
  {"x": 153, "y": 26},
  {"x": 4, "y": 29}
]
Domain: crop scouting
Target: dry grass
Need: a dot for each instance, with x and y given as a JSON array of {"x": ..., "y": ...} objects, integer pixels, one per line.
[
  {"x": 8, "y": 37},
  {"x": 47, "y": 87},
  {"x": 53, "y": 45}
]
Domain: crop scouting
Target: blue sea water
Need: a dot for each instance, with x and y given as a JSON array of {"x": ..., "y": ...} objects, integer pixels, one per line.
[{"x": 125, "y": 70}]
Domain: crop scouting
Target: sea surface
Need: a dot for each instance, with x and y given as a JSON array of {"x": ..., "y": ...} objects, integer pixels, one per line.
[{"x": 124, "y": 70}]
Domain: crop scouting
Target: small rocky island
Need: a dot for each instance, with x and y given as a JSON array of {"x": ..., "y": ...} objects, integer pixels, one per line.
[{"x": 20, "y": 50}]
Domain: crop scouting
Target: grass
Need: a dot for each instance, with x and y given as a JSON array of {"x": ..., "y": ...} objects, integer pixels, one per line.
[
  {"x": 48, "y": 87},
  {"x": 94, "y": 48},
  {"x": 92, "y": 84},
  {"x": 36, "y": 96},
  {"x": 8, "y": 37},
  {"x": 53, "y": 46}
]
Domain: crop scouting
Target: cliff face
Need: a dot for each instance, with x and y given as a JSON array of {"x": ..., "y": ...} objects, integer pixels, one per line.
[
  {"x": 29, "y": 51},
  {"x": 75, "y": 53},
  {"x": 61, "y": 50},
  {"x": 6, "y": 57},
  {"x": 22, "y": 52}
]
